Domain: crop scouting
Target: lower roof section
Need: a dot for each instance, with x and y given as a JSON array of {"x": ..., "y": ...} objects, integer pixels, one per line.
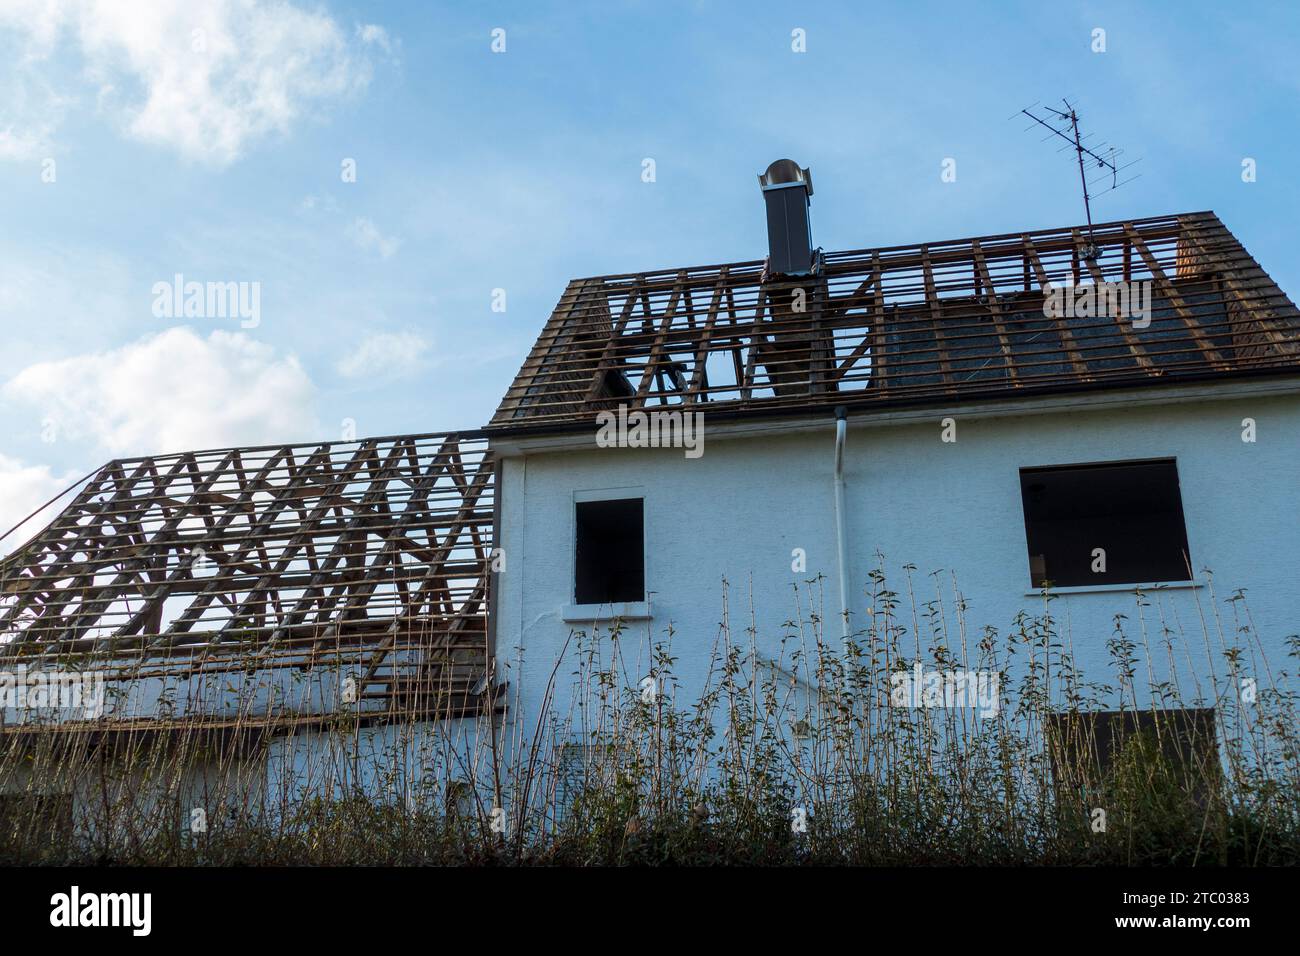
[{"x": 370, "y": 554}]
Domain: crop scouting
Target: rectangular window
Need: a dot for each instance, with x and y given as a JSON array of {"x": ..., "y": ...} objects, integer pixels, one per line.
[
  {"x": 583, "y": 769},
  {"x": 609, "y": 565},
  {"x": 31, "y": 821},
  {"x": 1104, "y": 524},
  {"x": 1087, "y": 750}
]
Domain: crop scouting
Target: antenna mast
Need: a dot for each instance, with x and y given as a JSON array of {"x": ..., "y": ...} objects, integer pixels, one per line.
[{"x": 1064, "y": 124}]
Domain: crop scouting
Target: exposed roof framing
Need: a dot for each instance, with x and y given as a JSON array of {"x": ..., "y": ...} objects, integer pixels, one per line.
[
  {"x": 906, "y": 325},
  {"x": 284, "y": 555}
]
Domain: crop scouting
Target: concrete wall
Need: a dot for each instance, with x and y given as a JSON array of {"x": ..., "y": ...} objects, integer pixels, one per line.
[
  {"x": 135, "y": 795},
  {"x": 762, "y": 490},
  {"x": 737, "y": 512},
  {"x": 405, "y": 764}
]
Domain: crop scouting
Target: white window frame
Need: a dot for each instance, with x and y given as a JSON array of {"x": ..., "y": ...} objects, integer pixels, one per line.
[{"x": 621, "y": 610}]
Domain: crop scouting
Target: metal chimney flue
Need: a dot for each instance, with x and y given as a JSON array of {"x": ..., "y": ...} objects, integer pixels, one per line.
[{"x": 786, "y": 191}]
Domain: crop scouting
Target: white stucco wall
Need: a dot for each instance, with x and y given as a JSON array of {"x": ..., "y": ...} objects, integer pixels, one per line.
[
  {"x": 739, "y": 510},
  {"x": 763, "y": 489}
]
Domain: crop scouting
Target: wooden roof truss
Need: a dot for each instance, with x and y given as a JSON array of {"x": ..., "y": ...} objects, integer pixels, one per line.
[{"x": 906, "y": 325}]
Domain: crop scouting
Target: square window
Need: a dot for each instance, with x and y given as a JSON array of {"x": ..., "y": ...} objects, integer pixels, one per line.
[
  {"x": 1116, "y": 523},
  {"x": 609, "y": 549}
]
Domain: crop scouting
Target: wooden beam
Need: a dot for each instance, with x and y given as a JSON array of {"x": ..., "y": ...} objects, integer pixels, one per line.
[
  {"x": 1212, "y": 354},
  {"x": 699, "y": 373},
  {"x": 935, "y": 307},
  {"x": 1059, "y": 323},
  {"x": 657, "y": 348},
  {"x": 1134, "y": 346},
  {"x": 995, "y": 311}
]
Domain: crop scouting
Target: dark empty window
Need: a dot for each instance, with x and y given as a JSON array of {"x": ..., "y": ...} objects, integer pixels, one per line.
[
  {"x": 1104, "y": 524},
  {"x": 1087, "y": 750},
  {"x": 610, "y": 552},
  {"x": 33, "y": 823}
]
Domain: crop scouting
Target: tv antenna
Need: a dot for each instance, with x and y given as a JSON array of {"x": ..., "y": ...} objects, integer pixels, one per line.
[{"x": 1103, "y": 159}]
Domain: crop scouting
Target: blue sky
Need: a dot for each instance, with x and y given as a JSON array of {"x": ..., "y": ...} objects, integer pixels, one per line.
[{"x": 218, "y": 155}]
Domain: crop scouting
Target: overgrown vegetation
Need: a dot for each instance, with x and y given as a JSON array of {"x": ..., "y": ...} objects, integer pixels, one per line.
[{"x": 789, "y": 756}]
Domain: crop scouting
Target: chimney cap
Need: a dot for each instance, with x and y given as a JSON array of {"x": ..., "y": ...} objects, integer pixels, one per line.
[{"x": 784, "y": 173}]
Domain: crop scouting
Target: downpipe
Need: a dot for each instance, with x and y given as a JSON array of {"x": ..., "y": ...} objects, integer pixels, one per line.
[{"x": 841, "y": 536}]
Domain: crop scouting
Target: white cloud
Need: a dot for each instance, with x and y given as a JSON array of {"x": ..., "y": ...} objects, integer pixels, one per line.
[
  {"x": 312, "y": 203},
  {"x": 33, "y": 113},
  {"x": 386, "y": 354},
  {"x": 173, "y": 391},
  {"x": 23, "y": 489},
  {"x": 18, "y": 142},
  {"x": 32, "y": 109},
  {"x": 367, "y": 237},
  {"x": 205, "y": 77},
  {"x": 372, "y": 34}
]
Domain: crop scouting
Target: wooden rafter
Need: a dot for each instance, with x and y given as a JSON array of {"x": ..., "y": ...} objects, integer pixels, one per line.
[
  {"x": 1212, "y": 354},
  {"x": 995, "y": 312},
  {"x": 1121, "y": 322},
  {"x": 934, "y": 305},
  {"x": 655, "y": 358},
  {"x": 298, "y": 541},
  {"x": 699, "y": 373},
  {"x": 946, "y": 308},
  {"x": 869, "y": 339},
  {"x": 1059, "y": 324}
]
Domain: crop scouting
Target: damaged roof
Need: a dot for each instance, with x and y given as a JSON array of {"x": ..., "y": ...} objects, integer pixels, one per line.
[
  {"x": 370, "y": 552},
  {"x": 937, "y": 323}
]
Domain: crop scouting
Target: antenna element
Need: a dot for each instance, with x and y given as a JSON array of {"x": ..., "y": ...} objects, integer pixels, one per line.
[{"x": 1065, "y": 125}]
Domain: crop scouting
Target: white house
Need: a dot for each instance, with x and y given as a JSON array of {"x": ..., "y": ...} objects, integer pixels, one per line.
[
  {"x": 1079, "y": 423},
  {"x": 1074, "y": 422}
]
